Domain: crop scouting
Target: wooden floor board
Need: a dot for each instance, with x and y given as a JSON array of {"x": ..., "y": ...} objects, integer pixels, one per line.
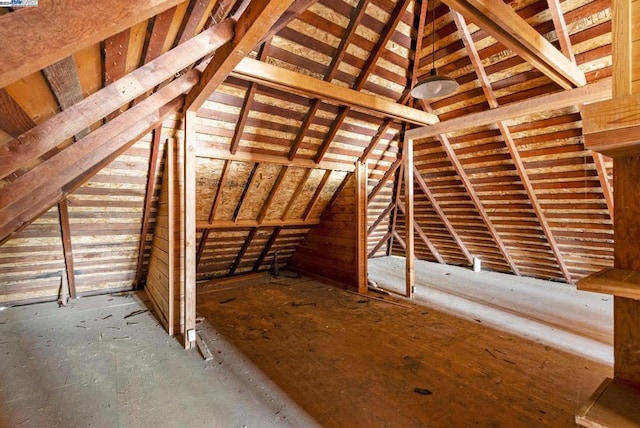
[{"x": 352, "y": 361}]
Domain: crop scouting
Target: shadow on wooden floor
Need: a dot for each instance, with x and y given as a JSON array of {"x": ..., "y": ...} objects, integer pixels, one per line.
[{"x": 350, "y": 360}]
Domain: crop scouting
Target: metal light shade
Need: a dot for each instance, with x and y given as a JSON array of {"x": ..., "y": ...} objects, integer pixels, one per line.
[{"x": 434, "y": 86}]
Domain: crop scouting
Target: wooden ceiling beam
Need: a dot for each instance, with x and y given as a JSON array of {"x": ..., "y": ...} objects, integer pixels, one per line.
[
  {"x": 286, "y": 80},
  {"x": 598, "y": 91},
  {"x": 247, "y": 156},
  {"x": 253, "y": 25},
  {"x": 35, "y": 37},
  {"x": 246, "y": 224},
  {"x": 34, "y": 192},
  {"x": 46, "y": 136},
  {"x": 505, "y": 25},
  {"x": 511, "y": 146}
]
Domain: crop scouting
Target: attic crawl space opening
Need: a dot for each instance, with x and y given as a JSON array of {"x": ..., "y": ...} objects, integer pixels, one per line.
[{"x": 173, "y": 142}]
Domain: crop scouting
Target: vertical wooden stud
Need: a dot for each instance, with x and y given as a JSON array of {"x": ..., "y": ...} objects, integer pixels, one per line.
[
  {"x": 407, "y": 154},
  {"x": 189, "y": 229},
  {"x": 361, "y": 226}
]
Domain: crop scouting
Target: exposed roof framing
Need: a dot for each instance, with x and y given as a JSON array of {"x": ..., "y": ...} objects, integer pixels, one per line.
[{"x": 285, "y": 98}]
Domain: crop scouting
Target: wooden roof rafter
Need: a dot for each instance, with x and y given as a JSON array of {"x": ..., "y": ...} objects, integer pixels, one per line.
[
  {"x": 365, "y": 72},
  {"x": 251, "y": 27},
  {"x": 505, "y": 25},
  {"x": 248, "y": 101},
  {"x": 511, "y": 146},
  {"x": 356, "y": 18},
  {"x": 445, "y": 220}
]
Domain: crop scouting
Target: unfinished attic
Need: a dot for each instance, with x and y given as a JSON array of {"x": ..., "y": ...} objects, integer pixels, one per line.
[{"x": 254, "y": 169}]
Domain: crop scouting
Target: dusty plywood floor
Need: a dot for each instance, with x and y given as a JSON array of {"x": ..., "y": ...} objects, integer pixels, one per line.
[
  {"x": 352, "y": 361},
  {"x": 96, "y": 363}
]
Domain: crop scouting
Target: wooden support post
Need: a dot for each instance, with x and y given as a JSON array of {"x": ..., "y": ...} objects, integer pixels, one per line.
[
  {"x": 615, "y": 402},
  {"x": 189, "y": 230},
  {"x": 66, "y": 246},
  {"x": 361, "y": 226},
  {"x": 407, "y": 155}
]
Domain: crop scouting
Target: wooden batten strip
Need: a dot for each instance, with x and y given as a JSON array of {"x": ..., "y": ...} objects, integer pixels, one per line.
[
  {"x": 557, "y": 16},
  {"x": 397, "y": 193},
  {"x": 91, "y": 109},
  {"x": 246, "y": 105},
  {"x": 445, "y": 220},
  {"x": 316, "y": 195},
  {"x": 380, "y": 243},
  {"x": 65, "y": 231},
  {"x": 267, "y": 248},
  {"x": 296, "y": 193},
  {"x": 217, "y": 199},
  {"x": 387, "y": 175},
  {"x": 381, "y": 217},
  {"x": 246, "y": 224},
  {"x": 424, "y": 237},
  {"x": 245, "y": 190},
  {"x": 243, "y": 250},
  {"x": 159, "y": 30},
  {"x": 605, "y": 183},
  {"x": 304, "y": 127},
  {"x": 375, "y": 140},
  {"x": 148, "y": 202},
  {"x": 272, "y": 194}
]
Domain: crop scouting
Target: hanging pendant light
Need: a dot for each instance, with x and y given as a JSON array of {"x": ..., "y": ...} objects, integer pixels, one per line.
[{"x": 434, "y": 85}]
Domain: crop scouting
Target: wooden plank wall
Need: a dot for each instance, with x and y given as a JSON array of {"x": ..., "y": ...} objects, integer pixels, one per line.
[
  {"x": 330, "y": 249},
  {"x": 32, "y": 262},
  {"x": 159, "y": 284}
]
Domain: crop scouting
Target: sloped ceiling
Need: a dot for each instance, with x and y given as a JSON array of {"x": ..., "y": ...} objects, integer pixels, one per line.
[{"x": 520, "y": 192}]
